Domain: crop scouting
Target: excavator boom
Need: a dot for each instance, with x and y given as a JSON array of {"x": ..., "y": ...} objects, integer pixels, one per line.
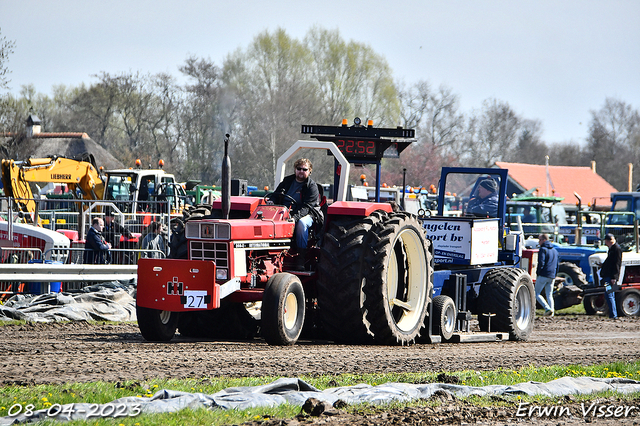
[{"x": 77, "y": 174}]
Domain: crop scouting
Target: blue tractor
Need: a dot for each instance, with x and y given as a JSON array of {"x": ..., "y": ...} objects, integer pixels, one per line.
[{"x": 477, "y": 264}]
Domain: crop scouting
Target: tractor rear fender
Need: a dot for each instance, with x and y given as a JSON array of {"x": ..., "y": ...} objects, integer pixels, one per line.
[{"x": 356, "y": 208}]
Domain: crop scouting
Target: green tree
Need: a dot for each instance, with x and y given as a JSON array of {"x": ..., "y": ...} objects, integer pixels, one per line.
[
  {"x": 352, "y": 80},
  {"x": 271, "y": 82}
]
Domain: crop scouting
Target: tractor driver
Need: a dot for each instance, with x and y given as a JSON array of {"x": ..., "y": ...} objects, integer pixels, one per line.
[
  {"x": 304, "y": 191},
  {"x": 485, "y": 202}
]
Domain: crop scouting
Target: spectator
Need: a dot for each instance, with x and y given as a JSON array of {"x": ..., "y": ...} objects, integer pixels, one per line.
[
  {"x": 154, "y": 240},
  {"x": 96, "y": 249},
  {"x": 546, "y": 273},
  {"x": 113, "y": 230},
  {"x": 485, "y": 201},
  {"x": 610, "y": 272}
]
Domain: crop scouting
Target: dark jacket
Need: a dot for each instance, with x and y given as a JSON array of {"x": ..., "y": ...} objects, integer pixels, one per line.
[
  {"x": 310, "y": 198},
  {"x": 547, "y": 261},
  {"x": 113, "y": 231},
  {"x": 96, "y": 249},
  {"x": 611, "y": 265},
  {"x": 483, "y": 207}
]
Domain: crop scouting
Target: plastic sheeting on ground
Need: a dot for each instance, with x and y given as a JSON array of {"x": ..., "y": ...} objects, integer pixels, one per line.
[
  {"x": 112, "y": 301},
  {"x": 296, "y": 392}
]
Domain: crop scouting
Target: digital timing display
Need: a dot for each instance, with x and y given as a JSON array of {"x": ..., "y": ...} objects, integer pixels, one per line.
[{"x": 353, "y": 147}]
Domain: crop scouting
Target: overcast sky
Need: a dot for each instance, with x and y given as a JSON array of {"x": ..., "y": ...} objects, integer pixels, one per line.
[{"x": 551, "y": 60}]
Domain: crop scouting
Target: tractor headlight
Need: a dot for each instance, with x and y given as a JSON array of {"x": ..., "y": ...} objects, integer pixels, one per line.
[{"x": 221, "y": 274}]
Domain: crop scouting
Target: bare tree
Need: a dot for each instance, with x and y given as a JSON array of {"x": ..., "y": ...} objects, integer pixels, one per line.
[
  {"x": 530, "y": 147},
  {"x": 491, "y": 133},
  {"x": 202, "y": 121},
  {"x": 439, "y": 130},
  {"x": 613, "y": 140},
  {"x": 414, "y": 103},
  {"x": 6, "y": 49}
]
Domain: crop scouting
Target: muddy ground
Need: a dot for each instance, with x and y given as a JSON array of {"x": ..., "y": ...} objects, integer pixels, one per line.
[{"x": 80, "y": 352}]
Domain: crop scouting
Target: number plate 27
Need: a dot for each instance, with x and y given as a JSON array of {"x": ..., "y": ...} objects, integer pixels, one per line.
[{"x": 195, "y": 299}]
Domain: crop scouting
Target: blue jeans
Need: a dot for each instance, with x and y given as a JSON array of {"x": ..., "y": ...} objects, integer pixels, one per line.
[
  {"x": 546, "y": 284},
  {"x": 302, "y": 231},
  {"x": 610, "y": 297}
]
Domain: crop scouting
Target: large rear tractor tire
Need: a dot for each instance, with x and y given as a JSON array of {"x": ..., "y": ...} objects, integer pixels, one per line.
[
  {"x": 628, "y": 303},
  {"x": 397, "y": 281},
  {"x": 444, "y": 317},
  {"x": 156, "y": 325},
  {"x": 572, "y": 274},
  {"x": 595, "y": 305},
  {"x": 510, "y": 295},
  {"x": 283, "y": 305},
  {"x": 341, "y": 277}
]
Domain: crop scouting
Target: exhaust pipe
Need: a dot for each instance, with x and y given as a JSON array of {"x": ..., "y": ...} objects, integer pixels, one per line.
[{"x": 226, "y": 180}]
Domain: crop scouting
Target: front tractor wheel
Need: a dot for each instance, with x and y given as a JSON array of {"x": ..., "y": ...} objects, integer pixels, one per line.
[
  {"x": 397, "y": 283},
  {"x": 156, "y": 325},
  {"x": 283, "y": 305},
  {"x": 507, "y": 293}
]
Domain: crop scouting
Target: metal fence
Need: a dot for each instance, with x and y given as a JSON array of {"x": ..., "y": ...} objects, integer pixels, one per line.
[
  {"x": 76, "y": 255},
  {"x": 73, "y": 218},
  {"x": 64, "y": 214},
  {"x": 594, "y": 226},
  {"x": 23, "y": 274},
  {"x": 41, "y": 278},
  {"x": 24, "y": 271}
]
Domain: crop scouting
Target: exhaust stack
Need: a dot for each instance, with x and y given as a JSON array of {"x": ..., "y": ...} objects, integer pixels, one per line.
[{"x": 226, "y": 180}]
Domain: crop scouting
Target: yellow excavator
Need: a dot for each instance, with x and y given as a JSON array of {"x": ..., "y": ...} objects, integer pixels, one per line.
[{"x": 80, "y": 175}]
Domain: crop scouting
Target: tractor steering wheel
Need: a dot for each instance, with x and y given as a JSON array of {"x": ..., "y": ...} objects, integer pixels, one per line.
[{"x": 268, "y": 197}]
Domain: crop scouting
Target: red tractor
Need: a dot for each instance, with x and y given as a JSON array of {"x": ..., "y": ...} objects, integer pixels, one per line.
[
  {"x": 367, "y": 276},
  {"x": 372, "y": 274}
]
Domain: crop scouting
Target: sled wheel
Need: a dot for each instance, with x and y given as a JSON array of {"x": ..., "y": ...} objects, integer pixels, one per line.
[
  {"x": 629, "y": 303},
  {"x": 283, "y": 306},
  {"x": 444, "y": 316},
  {"x": 156, "y": 325},
  {"x": 509, "y": 294}
]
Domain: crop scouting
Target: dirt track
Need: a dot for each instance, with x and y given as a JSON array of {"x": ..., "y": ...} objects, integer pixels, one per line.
[{"x": 79, "y": 352}]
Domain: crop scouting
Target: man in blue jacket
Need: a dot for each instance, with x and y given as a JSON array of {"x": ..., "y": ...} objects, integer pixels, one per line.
[
  {"x": 546, "y": 273},
  {"x": 485, "y": 202},
  {"x": 96, "y": 249}
]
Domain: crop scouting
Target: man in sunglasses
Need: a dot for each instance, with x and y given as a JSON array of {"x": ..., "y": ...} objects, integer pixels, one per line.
[{"x": 301, "y": 188}]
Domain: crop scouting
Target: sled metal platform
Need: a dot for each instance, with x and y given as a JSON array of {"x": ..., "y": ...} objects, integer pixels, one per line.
[
  {"x": 472, "y": 338},
  {"x": 479, "y": 337}
]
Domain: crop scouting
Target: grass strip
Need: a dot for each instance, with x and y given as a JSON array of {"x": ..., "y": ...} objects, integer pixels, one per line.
[{"x": 44, "y": 396}]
